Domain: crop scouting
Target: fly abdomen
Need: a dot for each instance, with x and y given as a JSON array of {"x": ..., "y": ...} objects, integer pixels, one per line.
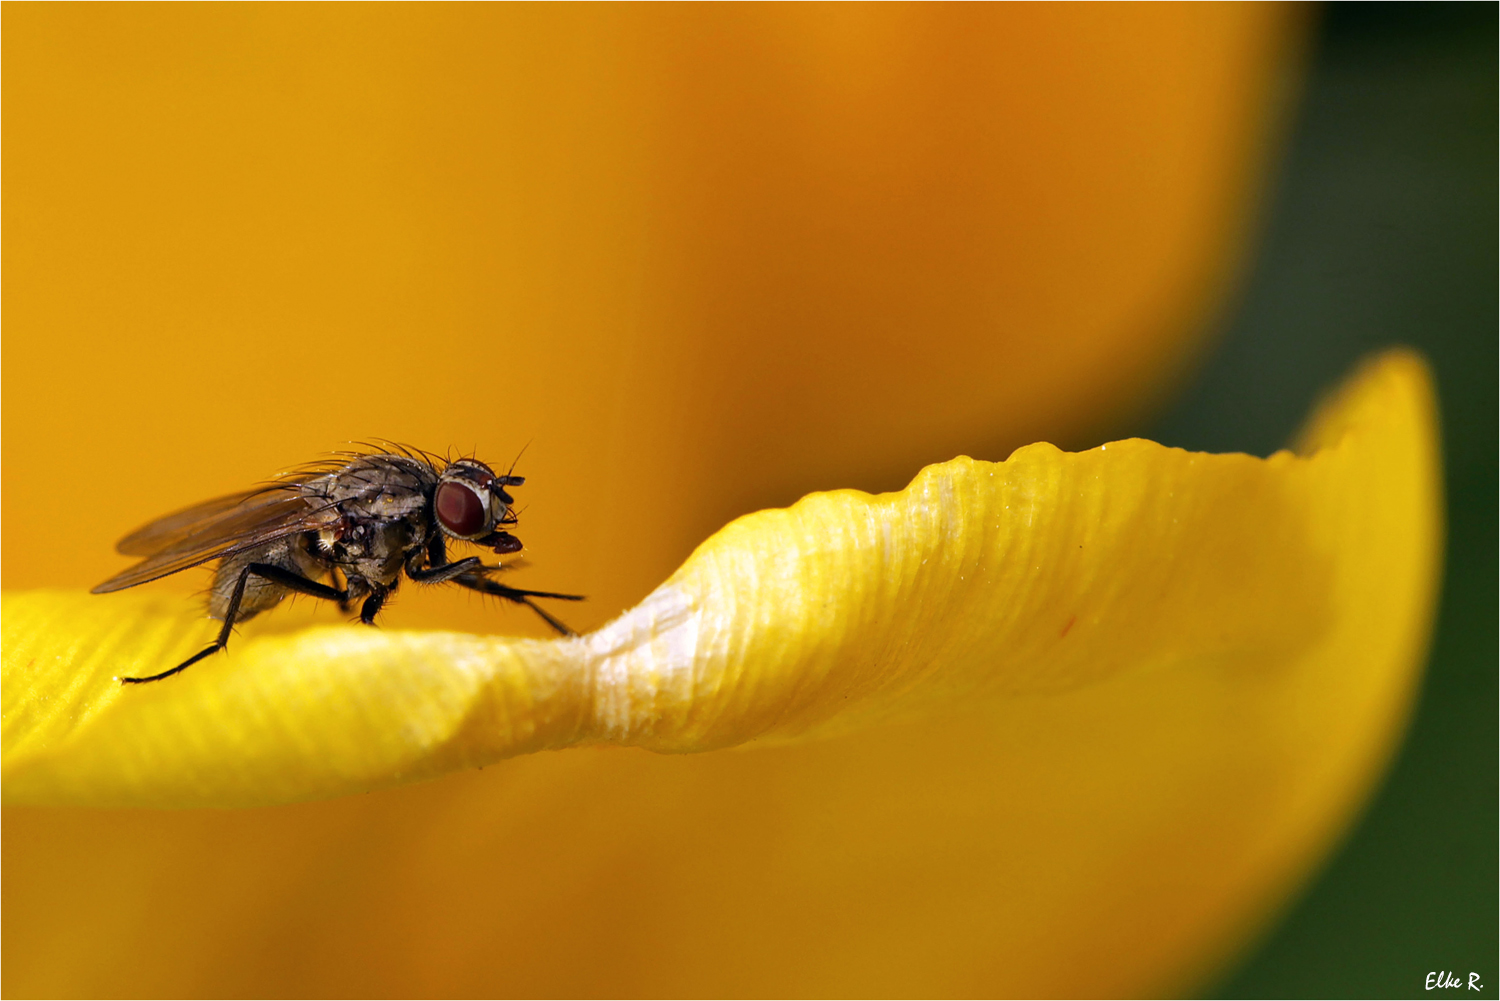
[{"x": 289, "y": 554}]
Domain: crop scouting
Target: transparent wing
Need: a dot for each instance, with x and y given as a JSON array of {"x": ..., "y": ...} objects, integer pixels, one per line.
[
  {"x": 215, "y": 529},
  {"x": 168, "y": 530}
]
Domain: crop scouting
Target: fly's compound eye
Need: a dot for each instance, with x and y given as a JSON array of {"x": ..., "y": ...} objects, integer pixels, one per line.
[{"x": 461, "y": 510}]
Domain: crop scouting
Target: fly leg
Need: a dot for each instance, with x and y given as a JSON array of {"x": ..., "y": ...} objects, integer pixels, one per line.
[
  {"x": 371, "y": 607},
  {"x": 345, "y": 603},
  {"x": 440, "y": 571},
  {"x": 470, "y": 573},
  {"x": 277, "y": 575},
  {"x": 478, "y": 582}
]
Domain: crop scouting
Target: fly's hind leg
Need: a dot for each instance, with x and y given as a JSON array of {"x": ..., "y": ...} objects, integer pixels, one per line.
[{"x": 277, "y": 575}]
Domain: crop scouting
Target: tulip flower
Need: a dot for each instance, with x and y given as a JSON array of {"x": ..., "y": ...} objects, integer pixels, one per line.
[
  {"x": 1071, "y": 722},
  {"x": 1131, "y": 667}
]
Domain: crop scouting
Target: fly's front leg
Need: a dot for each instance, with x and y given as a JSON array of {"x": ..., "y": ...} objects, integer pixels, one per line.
[
  {"x": 441, "y": 571},
  {"x": 438, "y": 570},
  {"x": 476, "y": 581},
  {"x": 276, "y": 575}
]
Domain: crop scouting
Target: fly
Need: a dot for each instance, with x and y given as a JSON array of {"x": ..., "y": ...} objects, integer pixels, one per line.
[{"x": 359, "y": 522}]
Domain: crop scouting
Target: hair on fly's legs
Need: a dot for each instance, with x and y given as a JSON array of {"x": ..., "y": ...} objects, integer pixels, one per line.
[{"x": 478, "y": 582}]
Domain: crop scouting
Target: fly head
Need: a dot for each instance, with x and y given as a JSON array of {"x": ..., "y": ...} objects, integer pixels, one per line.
[{"x": 471, "y": 503}]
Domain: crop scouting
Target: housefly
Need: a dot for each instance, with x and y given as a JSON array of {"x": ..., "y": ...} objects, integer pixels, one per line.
[{"x": 358, "y": 521}]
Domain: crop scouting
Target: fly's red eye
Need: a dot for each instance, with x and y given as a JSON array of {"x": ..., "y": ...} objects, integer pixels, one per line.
[{"x": 460, "y": 509}]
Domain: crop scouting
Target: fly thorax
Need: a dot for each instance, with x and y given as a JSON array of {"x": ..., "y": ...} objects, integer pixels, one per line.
[{"x": 377, "y": 549}]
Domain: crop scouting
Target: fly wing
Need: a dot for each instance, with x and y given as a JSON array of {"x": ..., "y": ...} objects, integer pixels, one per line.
[
  {"x": 215, "y": 529},
  {"x": 168, "y": 530}
]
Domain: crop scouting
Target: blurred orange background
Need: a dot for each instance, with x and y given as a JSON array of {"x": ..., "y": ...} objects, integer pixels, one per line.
[
  {"x": 701, "y": 260},
  {"x": 698, "y": 260}
]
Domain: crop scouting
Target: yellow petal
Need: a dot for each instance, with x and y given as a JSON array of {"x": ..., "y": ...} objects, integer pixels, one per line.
[{"x": 1290, "y": 593}]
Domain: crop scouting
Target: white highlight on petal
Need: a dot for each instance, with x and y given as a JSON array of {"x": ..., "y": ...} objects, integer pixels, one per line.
[{"x": 643, "y": 665}]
